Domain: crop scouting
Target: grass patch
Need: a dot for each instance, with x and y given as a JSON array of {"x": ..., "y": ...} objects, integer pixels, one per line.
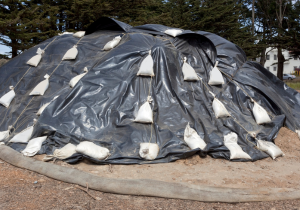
[{"x": 294, "y": 85}]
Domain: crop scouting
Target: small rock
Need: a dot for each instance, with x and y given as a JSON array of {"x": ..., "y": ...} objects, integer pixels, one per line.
[{"x": 35, "y": 182}]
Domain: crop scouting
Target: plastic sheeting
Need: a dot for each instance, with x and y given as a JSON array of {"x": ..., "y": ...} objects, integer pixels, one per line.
[{"x": 102, "y": 105}]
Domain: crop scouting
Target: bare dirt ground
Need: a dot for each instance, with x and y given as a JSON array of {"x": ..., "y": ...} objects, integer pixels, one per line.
[{"x": 18, "y": 189}]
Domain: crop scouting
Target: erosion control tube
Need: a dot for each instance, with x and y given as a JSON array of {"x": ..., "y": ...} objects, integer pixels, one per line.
[{"x": 146, "y": 187}]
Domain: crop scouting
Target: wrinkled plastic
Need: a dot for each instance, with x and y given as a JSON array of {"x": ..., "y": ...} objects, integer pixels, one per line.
[
  {"x": 40, "y": 111},
  {"x": 101, "y": 108}
]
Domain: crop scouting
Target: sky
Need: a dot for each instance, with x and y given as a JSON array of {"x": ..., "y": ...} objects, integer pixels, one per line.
[{"x": 4, "y": 49}]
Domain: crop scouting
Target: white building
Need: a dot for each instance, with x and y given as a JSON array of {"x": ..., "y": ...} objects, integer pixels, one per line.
[{"x": 272, "y": 59}]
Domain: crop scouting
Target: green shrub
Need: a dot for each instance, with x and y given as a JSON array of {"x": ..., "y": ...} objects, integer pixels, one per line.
[{"x": 294, "y": 85}]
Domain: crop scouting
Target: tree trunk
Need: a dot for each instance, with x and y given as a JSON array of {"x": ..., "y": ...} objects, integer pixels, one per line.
[
  {"x": 14, "y": 48},
  {"x": 253, "y": 1},
  {"x": 281, "y": 60},
  {"x": 263, "y": 57}
]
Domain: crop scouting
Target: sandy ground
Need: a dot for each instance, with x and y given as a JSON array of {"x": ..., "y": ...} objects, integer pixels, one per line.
[
  {"x": 282, "y": 172},
  {"x": 18, "y": 189}
]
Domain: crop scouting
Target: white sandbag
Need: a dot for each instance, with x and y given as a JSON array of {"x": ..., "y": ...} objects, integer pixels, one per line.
[
  {"x": 62, "y": 153},
  {"x": 192, "y": 138},
  {"x": 41, "y": 88},
  {"x": 219, "y": 109},
  {"x": 92, "y": 150},
  {"x": 6, "y": 99},
  {"x": 24, "y": 136},
  {"x": 145, "y": 114},
  {"x": 65, "y": 152},
  {"x": 146, "y": 68},
  {"x": 173, "y": 32},
  {"x": 270, "y": 148},
  {"x": 79, "y": 34},
  {"x": 113, "y": 43},
  {"x": 260, "y": 114},
  {"x": 4, "y": 135},
  {"x": 40, "y": 111},
  {"x": 236, "y": 152},
  {"x": 65, "y": 33},
  {"x": 148, "y": 151},
  {"x": 33, "y": 146},
  {"x": 298, "y": 132},
  {"x": 189, "y": 73},
  {"x": 71, "y": 54},
  {"x": 76, "y": 79},
  {"x": 215, "y": 77},
  {"x": 35, "y": 60}
]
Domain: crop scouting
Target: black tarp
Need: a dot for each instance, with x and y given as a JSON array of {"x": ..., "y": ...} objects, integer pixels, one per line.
[{"x": 102, "y": 106}]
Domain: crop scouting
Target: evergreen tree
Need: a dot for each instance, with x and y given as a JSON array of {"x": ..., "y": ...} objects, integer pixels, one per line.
[
  {"x": 222, "y": 17},
  {"x": 16, "y": 25},
  {"x": 24, "y": 24},
  {"x": 280, "y": 25}
]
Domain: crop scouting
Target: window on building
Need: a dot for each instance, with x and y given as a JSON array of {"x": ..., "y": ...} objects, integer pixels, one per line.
[
  {"x": 295, "y": 58},
  {"x": 275, "y": 57},
  {"x": 268, "y": 68},
  {"x": 268, "y": 57},
  {"x": 295, "y": 67},
  {"x": 274, "y": 68}
]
